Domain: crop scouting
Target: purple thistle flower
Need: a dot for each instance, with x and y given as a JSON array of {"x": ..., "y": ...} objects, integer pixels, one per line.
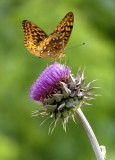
[
  {"x": 60, "y": 93},
  {"x": 46, "y": 83}
]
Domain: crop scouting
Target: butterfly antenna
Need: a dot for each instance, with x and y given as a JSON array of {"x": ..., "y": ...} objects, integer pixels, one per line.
[{"x": 76, "y": 46}]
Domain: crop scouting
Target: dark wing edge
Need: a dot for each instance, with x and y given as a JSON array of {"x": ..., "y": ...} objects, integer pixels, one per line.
[
  {"x": 32, "y": 32},
  {"x": 65, "y": 27}
]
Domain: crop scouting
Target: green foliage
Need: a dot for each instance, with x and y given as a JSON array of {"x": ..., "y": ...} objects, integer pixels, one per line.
[{"x": 21, "y": 137}]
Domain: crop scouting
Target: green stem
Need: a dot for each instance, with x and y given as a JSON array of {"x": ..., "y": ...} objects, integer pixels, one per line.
[{"x": 90, "y": 134}]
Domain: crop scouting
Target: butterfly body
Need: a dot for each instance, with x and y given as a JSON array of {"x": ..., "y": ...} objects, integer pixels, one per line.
[{"x": 48, "y": 46}]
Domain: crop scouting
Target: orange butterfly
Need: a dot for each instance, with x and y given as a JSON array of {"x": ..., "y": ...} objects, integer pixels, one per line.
[{"x": 48, "y": 46}]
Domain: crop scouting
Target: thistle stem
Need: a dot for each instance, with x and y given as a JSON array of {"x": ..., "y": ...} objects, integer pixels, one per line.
[{"x": 90, "y": 134}]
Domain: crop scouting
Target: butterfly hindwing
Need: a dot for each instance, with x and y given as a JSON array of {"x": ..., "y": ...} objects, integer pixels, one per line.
[
  {"x": 51, "y": 47},
  {"x": 33, "y": 35}
]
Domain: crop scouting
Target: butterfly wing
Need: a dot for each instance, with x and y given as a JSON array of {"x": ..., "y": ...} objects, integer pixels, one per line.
[
  {"x": 65, "y": 27},
  {"x": 33, "y": 36},
  {"x": 52, "y": 47}
]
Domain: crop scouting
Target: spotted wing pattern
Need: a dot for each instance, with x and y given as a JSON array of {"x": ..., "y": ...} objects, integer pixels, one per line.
[
  {"x": 33, "y": 35},
  {"x": 52, "y": 46},
  {"x": 65, "y": 27}
]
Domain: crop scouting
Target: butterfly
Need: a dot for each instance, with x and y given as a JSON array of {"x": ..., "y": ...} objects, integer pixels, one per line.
[{"x": 48, "y": 46}]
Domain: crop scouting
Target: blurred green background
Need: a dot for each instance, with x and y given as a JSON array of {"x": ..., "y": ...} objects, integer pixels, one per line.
[{"x": 21, "y": 137}]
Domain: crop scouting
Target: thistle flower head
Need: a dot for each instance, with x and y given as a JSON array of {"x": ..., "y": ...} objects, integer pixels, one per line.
[
  {"x": 60, "y": 93},
  {"x": 48, "y": 82}
]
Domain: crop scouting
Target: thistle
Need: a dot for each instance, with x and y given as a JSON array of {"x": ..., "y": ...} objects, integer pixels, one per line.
[{"x": 60, "y": 93}]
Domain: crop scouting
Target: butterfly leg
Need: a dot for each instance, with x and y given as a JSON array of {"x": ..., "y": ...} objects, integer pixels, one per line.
[
  {"x": 62, "y": 60},
  {"x": 50, "y": 62}
]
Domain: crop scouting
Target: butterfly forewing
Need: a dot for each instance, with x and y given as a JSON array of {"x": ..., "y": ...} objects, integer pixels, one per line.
[
  {"x": 33, "y": 35},
  {"x": 65, "y": 27}
]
